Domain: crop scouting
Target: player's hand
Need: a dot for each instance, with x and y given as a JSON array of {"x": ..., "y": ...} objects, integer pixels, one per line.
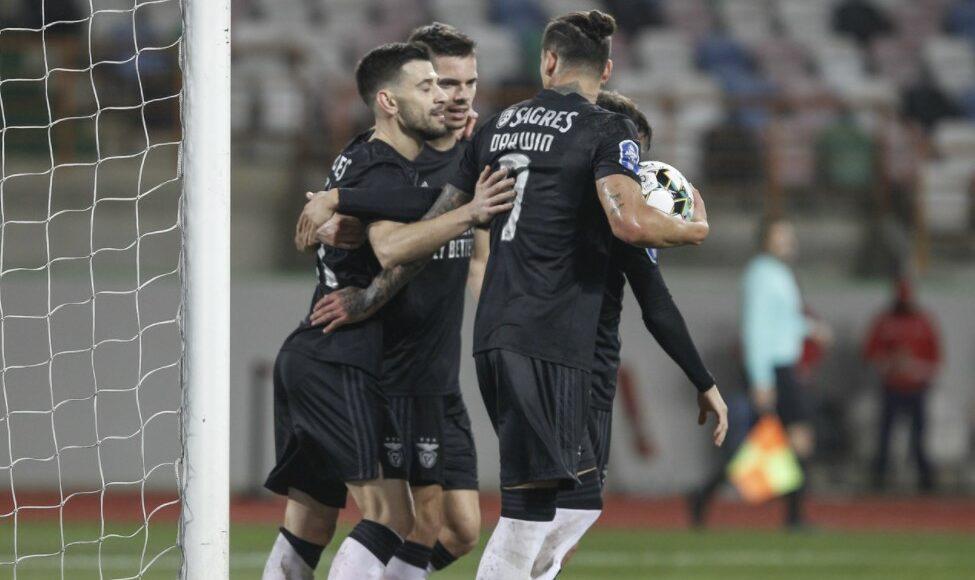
[
  {"x": 342, "y": 231},
  {"x": 341, "y": 308},
  {"x": 471, "y": 124},
  {"x": 318, "y": 209},
  {"x": 763, "y": 399},
  {"x": 700, "y": 211},
  {"x": 710, "y": 401},
  {"x": 493, "y": 194}
]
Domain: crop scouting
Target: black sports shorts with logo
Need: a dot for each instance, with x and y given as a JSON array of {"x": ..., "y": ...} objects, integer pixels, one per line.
[
  {"x": 438, "y": 444},
  {"x": 538, "y": 409},
  {"x": 332, "y": 425}
]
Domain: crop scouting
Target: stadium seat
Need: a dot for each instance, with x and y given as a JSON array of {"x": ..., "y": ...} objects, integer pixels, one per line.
[
  {"x": 945, "y": 195},
  {"x": 803, "y": 20},
  {"x": 749, "y": 20},
  {"x": 503, "y": 52},
  {"x": 664, "y": 52},
  {"x": 459, "y": 13},
  {"x": 952, "y": 62},
  {"x": 954, "y": 138}
]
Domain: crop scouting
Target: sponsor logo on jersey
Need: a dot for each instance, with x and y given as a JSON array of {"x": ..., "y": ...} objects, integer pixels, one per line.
[
  {"x": 630, "y": 155},
  {"x": 561, "y": 121},
  {"x": 505, "y": 117},
  {"x": 394, "y": 452},
  {"x": 426, "y": 450}
]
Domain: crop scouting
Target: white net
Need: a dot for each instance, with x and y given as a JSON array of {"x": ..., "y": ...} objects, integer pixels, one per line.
[{"x": 90, "y": 242}]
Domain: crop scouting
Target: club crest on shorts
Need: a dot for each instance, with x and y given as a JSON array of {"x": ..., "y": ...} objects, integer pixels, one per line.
[
  {"x": 426, "y": 449},
  {"x": 394, "y": 452}
]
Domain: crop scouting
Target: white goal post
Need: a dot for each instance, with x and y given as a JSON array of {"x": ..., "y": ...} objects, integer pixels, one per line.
[
  {"x": 115, "y": 161},
  {"x": 205, "y": 525}
]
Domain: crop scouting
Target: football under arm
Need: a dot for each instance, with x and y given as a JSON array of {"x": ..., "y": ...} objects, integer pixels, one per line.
[
  {"x": 638, "y": 224},
  {"x": 478, "y": 264},
  {"x": 395, "y": 243}
]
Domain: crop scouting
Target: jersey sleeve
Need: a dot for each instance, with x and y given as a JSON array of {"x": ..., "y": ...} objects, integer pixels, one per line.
[
  {"x": 660, "y": 314},
  {"x": 465, "y": 178},
  {"x": 400, "y": 204},
  {"x": 617, "y": 149}
]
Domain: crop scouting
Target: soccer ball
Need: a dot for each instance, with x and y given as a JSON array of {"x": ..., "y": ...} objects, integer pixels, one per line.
[{"x": 666, "y": 189}]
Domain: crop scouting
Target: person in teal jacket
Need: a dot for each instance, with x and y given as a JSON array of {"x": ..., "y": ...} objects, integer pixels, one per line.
[{"x": 773, "y": 331}]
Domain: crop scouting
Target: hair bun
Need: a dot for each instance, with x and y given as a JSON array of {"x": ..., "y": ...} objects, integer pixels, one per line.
[{"x": 600, "y": 25}]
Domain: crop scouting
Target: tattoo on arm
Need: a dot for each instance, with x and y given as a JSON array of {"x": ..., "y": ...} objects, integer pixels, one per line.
[
  {"x": 450, "y": 199},
  {"x": 384, "y": 286},
  {"x": 615, "y": 202}
]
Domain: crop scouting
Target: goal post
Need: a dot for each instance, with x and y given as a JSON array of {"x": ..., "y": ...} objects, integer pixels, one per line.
[
  {"x": 204, "y": 521},
  {"x": 114, "y": 288}
]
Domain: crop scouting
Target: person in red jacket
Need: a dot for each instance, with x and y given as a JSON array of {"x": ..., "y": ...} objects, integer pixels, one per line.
[{"x": 903, "y": 346}]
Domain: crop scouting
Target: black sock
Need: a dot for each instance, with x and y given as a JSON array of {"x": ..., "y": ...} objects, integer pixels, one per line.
[
  {"x": 414, "y": 554},
  {"x": 309, "y": 552},
  {"x": 529, "y": 504},
  {"x": 794, "y": 515},
  {"x": 586, "y": 495},
  {"x": 376, "y": 538},
  {"x": 441, "y": 557}
]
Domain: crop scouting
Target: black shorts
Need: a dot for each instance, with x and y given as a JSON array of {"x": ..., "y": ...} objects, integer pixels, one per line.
[
  {"x": 791, "y": 399},
  {"x": 599, "y": 426},
  {"x": 460, "y": 454},
  {"x": 421, "y": 422},
  {"x": 331, "y": 426},
  {"x": 439, "y": 447},
  {"x": 538, "y": 409}
]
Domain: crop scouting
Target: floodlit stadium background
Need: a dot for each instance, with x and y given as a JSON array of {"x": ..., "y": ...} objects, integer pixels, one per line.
[{"x": 860, "y": 128}]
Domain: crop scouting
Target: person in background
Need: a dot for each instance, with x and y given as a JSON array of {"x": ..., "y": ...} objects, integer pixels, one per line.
[
  {"x": 903, "y": 346},
  {"x": 773, "y": 330}
]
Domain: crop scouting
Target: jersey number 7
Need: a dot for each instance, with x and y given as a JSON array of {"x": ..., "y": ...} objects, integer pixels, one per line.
[{"x": 516, "y": 163}]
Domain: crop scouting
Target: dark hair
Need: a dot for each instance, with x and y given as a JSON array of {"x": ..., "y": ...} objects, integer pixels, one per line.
[
  {"x": 443, "y": 40},
  {"x": 382, "y": 66},
  {"x": 581, "y": 38},
  {"x": 617, "y": 103}
]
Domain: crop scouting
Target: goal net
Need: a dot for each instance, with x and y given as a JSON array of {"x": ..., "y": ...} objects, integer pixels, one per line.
[{"x": 97, "y": 411}]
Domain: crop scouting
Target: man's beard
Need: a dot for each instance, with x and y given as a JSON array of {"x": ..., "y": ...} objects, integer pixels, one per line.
[{"x": 422, "y": 125}]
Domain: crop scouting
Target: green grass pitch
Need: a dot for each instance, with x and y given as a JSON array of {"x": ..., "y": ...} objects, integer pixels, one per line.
[{"x": 620, "y": 555}]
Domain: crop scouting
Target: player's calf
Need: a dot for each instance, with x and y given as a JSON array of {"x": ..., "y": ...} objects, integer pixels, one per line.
[
  {"x": 412, "y": 558},
  {"x": 308, "y": 527},
  {"x": 387, "y": 518},
  {"x": 461, "y": 530}
]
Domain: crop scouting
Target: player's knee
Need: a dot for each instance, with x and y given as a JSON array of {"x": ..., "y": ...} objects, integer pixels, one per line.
[
  {"x": 401, "y": 522},
  {"x": 395, "y": 517},
  {"x": 465, "y": 536}
]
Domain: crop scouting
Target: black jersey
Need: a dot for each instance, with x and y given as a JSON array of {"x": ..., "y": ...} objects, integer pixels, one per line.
[
  {"x": 544, "y": 281},
  {"x": 660, "y": 315},
  {"x": 421, "y": 325},
  {"x": 367, "y": 164}
]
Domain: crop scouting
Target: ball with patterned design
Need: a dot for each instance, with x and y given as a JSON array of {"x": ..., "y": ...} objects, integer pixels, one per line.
[{"x": 665, "y": 188}]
